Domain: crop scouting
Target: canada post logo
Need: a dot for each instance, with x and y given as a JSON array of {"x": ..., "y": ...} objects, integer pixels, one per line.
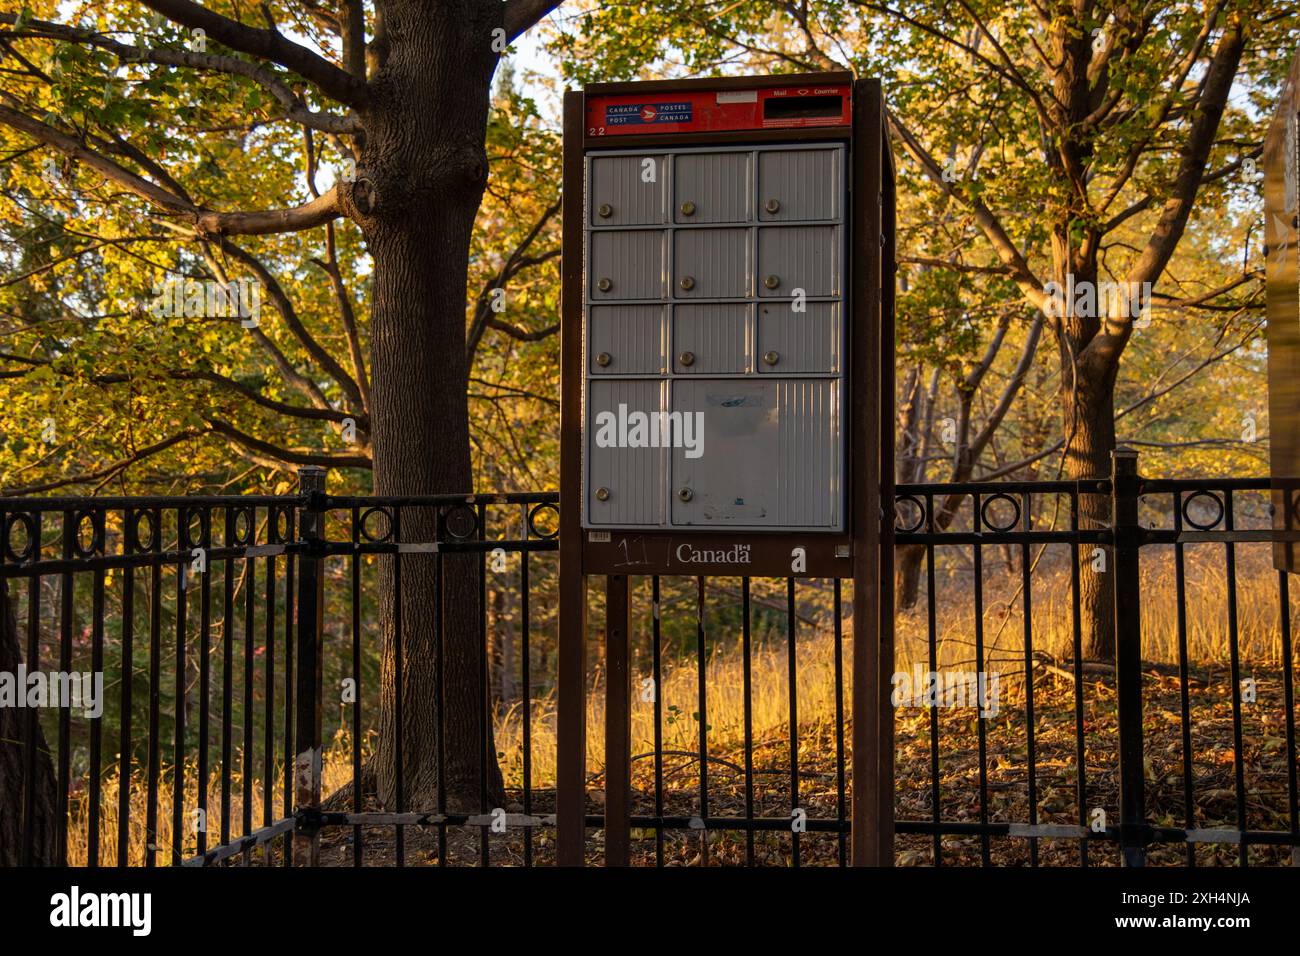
[{"x": 641, "y": 114}]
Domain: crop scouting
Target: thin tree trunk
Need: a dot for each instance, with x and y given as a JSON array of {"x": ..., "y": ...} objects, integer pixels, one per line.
[
  {"x": 1089, "y": 422},
  {"x": 20, "y": 728}
]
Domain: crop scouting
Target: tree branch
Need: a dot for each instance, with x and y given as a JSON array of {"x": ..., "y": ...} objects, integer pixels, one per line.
[
  {"x": 267, "y": 78},
  {"x": 205, "y": 221},
  {"x": 107, "y": 472},
  {"x": 290, "y": 315},
  {"x": 267, "y": 45},
  {"x": 286, "y": 454},
  {"x": 520, "y": 15}
]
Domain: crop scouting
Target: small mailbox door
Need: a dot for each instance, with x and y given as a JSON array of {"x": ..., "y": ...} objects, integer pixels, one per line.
[
  {"x": 798, "y": 257},
  {"x": 794, "y": 343},
  {"x": 625, "y": 475},
  {"x": 627, "y": 265},
  {"x": 711, "y": 263},
  {"x": 626, "y": 340},
  {"x": 799, "y": 184},
  {"x": 621, "y": 194},
  {"x": 712, "y": 187},
  {"x": 711, "y": 337},
  {"x": 770, "y": 454}
]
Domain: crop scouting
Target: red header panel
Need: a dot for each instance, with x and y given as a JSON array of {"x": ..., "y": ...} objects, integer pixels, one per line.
[{"x": 693, "y": 111}]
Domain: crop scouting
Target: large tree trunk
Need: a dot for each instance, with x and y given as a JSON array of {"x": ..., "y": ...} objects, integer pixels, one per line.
[
  {"x": 1089, "y": 423},
  {"x": 420, "y": 179},
  {"x": 20, "y": 729}
]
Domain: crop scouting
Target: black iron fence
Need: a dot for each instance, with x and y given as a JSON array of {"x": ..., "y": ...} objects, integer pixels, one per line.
[{"x": 256, "y": 720}]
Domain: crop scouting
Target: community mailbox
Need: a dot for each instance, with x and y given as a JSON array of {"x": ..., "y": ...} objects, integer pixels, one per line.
[
  {"x": 727, "y": 384},
  {"x": 726, "y": 278},
  {"x": 1282, "y": 284}
]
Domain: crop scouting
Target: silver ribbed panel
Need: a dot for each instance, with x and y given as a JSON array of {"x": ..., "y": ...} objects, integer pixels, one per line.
[
  {"x": 634, "y": 337},
  {"x": 717, "y": 183},
  {"x": 731, "y": 482},
  {"x": 807, "y": 341},
  {"x": 632, "y": 261},
  {"x": 634, "y": 476},
  {"x": 716, "y": 259},
  {"x": 808, "y": 456},
  {"x": 801, "y": 257},
  {"x": 617, "y": 181},
  {"x": 805, "y": 182},
  {"x": 716, "y": 334}
]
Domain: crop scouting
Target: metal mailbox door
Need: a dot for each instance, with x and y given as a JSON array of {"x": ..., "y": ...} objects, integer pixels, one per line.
[
  {"x": 712, "y": 187},
  {"x": 796, "y": 343},
  {"x": 711, "y": 263},
  {"x": 622, "y": 194},
  {"x": 627, "y": 265},
  {"x": 768, "y": 454},
  {"x": 726, "y": 479},
  {"x": 626, "y": 340},
  {"x": 795, "y": 185},
  {"x": 625, "y": 474},
  {"x": 803, "y": 258},
  {"x": 711, "y": 337}
]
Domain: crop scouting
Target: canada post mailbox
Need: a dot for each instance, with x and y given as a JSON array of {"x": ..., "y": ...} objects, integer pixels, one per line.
[
  {"x": 727, "y": 388},
  {"x": 722, "y": 314}
]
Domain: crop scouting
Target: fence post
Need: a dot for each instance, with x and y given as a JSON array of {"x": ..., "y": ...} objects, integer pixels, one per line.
[
  {"x": 618, "y": 722},
  {"x": 1125, "y": 487},
  {"x": 309, "y": 689}
]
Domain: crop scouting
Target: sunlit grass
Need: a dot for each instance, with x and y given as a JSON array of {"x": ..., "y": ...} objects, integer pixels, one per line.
[{"x": 1206, "y": 623}]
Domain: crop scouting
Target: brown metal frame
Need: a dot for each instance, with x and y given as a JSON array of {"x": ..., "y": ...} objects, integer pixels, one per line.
[
  {"x": 863, "y": 552},
  {"x": 1282, "y": 291}
]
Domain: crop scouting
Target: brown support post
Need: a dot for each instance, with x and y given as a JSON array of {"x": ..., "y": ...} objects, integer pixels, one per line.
[
  {"x": 571, "y": 759},
  {"x": 618, "y": 722},
  {"x": 872, "y": 802},
  {"x": 885, "y": 363},
  {"x": 309, "y": 686}
]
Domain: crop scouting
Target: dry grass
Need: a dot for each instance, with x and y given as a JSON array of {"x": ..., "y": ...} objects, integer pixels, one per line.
[
  {"x": 1207, "y": 628},
  {"x": 336, "y": 769},
  {"x": 1258, "y": 640}
]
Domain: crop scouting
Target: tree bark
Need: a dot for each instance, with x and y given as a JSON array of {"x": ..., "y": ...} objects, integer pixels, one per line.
[
  {"x": 20, "y": 728},
  {"x": 1089, "y": 423},
  {"x": 420, "y": 178}
]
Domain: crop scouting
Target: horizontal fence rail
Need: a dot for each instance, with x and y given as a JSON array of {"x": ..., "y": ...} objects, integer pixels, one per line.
[{"x": 253, "y": 652}]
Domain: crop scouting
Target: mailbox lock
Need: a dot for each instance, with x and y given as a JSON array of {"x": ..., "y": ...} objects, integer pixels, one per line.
[
  {"x": 687, "y": 359},
  {"x": 771, "y": 282},
  {"x": 771, "y": 358},
  {"x": 688, "y": 283},
  {"x": 603, "y": 359},
  {"x": 685, "y": 494},
  {"x": 605, "y": 210},
  {"x": 604, "y": 285},
  {"x": 773, "y": 206},
  {"x": 688, "y": 208},
  {"x": 602, "y": 494}
]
